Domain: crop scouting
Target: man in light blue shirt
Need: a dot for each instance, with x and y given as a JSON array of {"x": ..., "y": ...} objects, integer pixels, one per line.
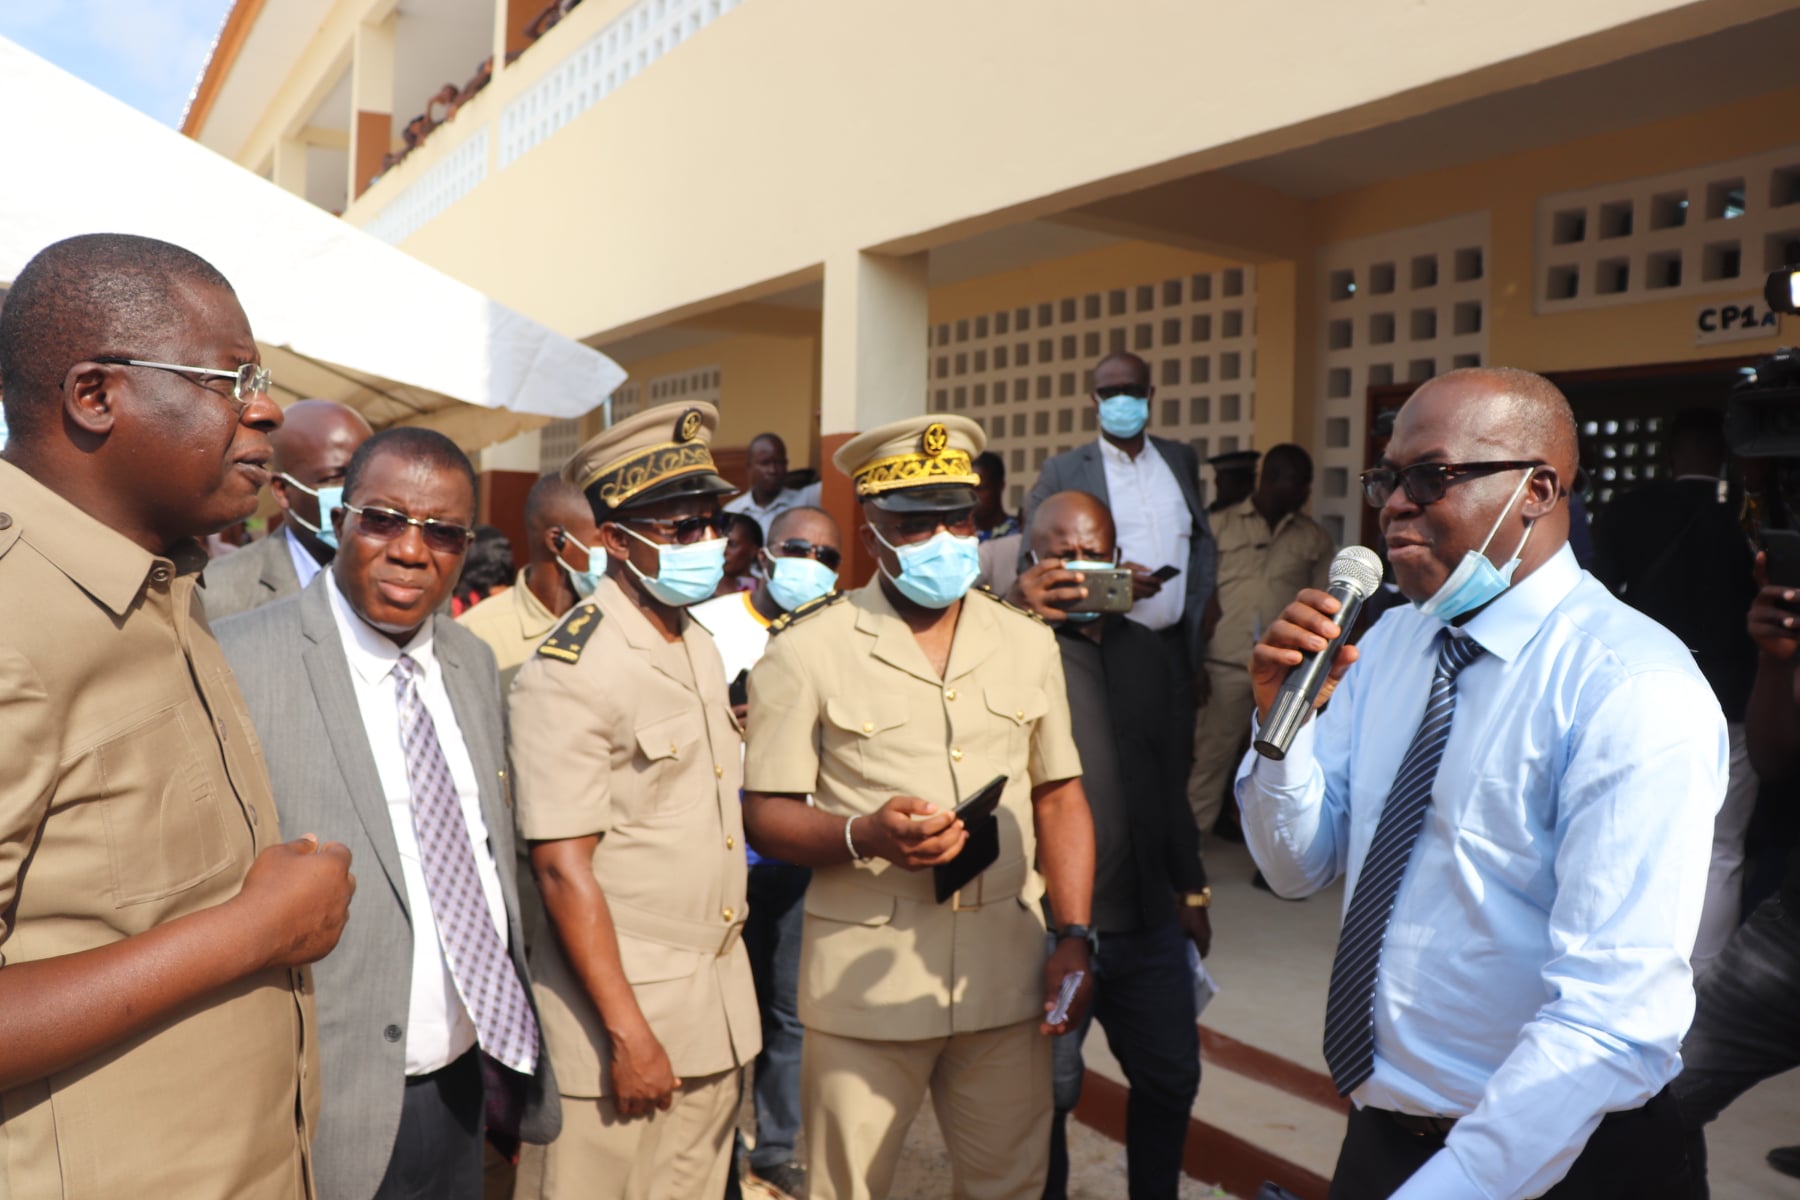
[{"x": 1526, "y": 871}]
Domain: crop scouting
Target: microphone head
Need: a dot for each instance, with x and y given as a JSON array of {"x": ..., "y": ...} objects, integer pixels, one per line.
[{"x": 1357, "y": 567}]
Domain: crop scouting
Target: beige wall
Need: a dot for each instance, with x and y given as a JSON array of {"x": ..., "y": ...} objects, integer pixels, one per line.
[
  {"x": 766, "y": 384},
  {"x": 1509, "y": 187}
]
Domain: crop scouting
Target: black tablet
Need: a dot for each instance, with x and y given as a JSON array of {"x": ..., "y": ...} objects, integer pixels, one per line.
[{"x": 982, "y": 850}]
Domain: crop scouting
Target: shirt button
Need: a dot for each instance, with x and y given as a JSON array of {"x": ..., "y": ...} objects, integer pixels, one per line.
[
  {"x": 674, "y": 750},
  {"x": 868, "y": 727},
  {"x": 1020, "y": 715},
  {"x": 719, "y": 772},
  {"x": 160, "y": 574},
  {"x": 955, "y": 755},
  {"x": 391, "y": 1033},
  {"x": 5, "y": 520},
  {"x": 730, "y": 842},
  {"x": 254, "y": 819},
  {"x": 728, "y": 913},
  {"x": 950, "y": 695}
]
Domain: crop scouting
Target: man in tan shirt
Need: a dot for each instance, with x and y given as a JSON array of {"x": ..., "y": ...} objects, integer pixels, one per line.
[
  {"x": 627, "y": 761},
  {"x": 158, "y": 1034},
  {"x": 888, "y": 705},
  {"x": 564, "y": 569},
  {"x": 1268, "y": 551}
]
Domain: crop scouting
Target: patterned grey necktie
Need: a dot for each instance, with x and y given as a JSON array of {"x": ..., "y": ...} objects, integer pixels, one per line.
[
  {"x": 484, "y": 975},
  {"x": 1350, "y": 1005}
]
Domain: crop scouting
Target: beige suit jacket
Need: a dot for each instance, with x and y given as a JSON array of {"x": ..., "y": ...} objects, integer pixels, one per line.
[
  {"x": 844, "y": 705},
  {"x": 634, "y": 740}
]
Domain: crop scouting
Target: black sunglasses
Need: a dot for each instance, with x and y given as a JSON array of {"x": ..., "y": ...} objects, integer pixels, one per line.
[
  {"x": 1121, "y": 389},
  {"x": 801, "y": 548},
  {"x": 386, "y": 525},
  {"x": 1425, "y": 483},
  {"x": 686, "y": 531}
]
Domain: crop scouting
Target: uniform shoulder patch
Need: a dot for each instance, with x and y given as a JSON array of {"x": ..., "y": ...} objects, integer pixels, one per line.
[
  {"x": 1003, "y": 602},
  {"x": 787, "y": 619},
  {"x": 567, "y": 640}
]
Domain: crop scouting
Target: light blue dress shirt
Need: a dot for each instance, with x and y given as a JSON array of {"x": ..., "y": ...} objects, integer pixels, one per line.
[{"x": 1535, "y": 972}]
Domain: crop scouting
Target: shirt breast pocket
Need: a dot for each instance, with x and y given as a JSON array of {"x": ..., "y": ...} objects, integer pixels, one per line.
[
  {"x": 864, "y": 734},
  {"x": 1017, "y": 711},
  {"x": 673, "y": 768},
  {"x": 164, "y": 809}
]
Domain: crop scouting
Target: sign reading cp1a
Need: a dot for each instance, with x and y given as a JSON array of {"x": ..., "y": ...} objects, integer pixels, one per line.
[{"x": 1734, "y": 321}]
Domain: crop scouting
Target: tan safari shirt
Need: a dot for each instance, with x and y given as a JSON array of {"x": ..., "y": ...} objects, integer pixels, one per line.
[
  {"x": 133, "y": 792},
  {"x": 1261, "y": 570},
  {"x": 845, "y": 705},
  {"x": 619, "y": 733},
  {"x": 512, "y": 624}
]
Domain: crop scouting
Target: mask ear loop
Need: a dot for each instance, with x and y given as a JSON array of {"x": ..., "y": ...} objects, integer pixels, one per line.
[{"x": 1530, "y": 474}]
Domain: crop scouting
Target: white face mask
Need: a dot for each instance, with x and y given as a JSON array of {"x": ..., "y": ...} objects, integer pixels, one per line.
[{"x": 1476, "y": 581}]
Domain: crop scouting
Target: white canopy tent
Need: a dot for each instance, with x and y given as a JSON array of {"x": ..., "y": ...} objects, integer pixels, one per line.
[{"x": 338, "y": 313}]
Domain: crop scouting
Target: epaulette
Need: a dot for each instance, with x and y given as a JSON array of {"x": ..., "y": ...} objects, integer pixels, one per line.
[
  {"x": 805, "y": 610},
  {"x": 566, "y": 641},
  {"x": 1003, "y": 602}
]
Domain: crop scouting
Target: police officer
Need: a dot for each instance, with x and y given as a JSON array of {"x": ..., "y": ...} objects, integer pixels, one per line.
[
  {"x": 627, "y": 758},
  {"x": 889, "y": 704}
]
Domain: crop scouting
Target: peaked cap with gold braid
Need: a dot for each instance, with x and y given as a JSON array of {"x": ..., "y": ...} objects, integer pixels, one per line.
[
  {"x": 658, "y": 454},
  {"x": 921, "y": 464}
]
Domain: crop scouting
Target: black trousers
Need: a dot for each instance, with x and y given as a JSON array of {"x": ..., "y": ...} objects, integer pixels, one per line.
[
  {"x": 439, "y": 1149},
  {"x": 1633, "y": 1155}
]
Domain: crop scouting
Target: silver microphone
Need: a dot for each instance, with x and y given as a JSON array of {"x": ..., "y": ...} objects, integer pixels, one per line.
[{"x": 1355, "y": 574}]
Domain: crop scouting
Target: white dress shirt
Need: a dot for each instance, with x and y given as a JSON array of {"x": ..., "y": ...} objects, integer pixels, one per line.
[
  {"x": 305, "y": 565},
  {"x": 1154, "y": 525},
  {"x": 765, "y": 514},
  {"x": 1535, "y": 971},
  {"x": 438, "y": 1028}
]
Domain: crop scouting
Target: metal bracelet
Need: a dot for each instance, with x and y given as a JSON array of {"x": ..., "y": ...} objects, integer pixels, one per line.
[{"x": 849, "y": 844}]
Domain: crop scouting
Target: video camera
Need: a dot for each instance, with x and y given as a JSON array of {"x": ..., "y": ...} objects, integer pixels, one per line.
[{"x": 1762, "y": 415}]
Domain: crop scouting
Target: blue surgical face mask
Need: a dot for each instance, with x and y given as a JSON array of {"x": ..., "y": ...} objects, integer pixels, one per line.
[
  {"x": 1124, "y": 416},
  {"x": 684, "y": 574},
  {"x": 1081, "y": 564},
  {"x": 1477, "y": 581},
  {"x": 799, "y": 580},
  {"x": 330, "y": 500},
  {"x": 584, "y": 582},
  {"x": 936, "y": 572}
]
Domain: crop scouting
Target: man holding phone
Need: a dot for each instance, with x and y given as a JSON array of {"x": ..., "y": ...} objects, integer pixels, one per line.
[
  {"x": 1151, "y": 901},
  {"x": 889, "y": 705}
]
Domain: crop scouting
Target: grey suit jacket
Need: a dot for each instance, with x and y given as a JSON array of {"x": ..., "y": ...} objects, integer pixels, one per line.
[
  {"x": 290, "y": 664},
  {"x": 1083, "y": 470},
  {"x": 249, "y": 578}
]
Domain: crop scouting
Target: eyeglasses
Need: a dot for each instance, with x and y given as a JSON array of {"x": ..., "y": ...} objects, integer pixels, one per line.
[
  {"x": 247, "y": 380},
  {"x": 914, "y": 527},
  {"x": 386, "y": 525},
  {"x": 1426, "y": 482},
  {"x": 686, "y": 531},
  {"x": 801, "y": 548}
]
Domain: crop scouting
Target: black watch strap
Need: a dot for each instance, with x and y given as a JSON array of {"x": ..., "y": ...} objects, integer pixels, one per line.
[{"x": 1084, "y": 932}]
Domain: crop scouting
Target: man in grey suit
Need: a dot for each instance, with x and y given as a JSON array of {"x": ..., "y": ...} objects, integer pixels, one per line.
[
  {"x": 312, "y": 451},
  {"x": 380, "y": 719},
  {"x": 1154, "y": 498}
]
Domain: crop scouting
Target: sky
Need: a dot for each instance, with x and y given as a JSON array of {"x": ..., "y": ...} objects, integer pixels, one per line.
[{"x": 148, "y": 53}]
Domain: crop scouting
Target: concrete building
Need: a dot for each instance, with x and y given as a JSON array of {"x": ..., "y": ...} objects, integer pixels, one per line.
[{"x": 825, "y": 214}]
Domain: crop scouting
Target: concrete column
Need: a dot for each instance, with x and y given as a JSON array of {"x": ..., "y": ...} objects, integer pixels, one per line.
[
  {"x": 290, "y": 166},
  {"x": 371, "y": 101},
  {"x": 1284, "y": 386},
  {"x": 873, "y": 367}
]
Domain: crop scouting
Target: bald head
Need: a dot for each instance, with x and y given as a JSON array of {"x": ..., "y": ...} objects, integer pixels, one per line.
[
  {"x": 1072, "y": 525},
  {"x": 313, "y": 449},
  {"x": 1517, "y": 411}
]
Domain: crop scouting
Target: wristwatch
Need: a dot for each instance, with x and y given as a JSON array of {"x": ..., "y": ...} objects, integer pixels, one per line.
[
  {"x": 1084, "y": 932},
  {"x": 1199, "y": 899}
]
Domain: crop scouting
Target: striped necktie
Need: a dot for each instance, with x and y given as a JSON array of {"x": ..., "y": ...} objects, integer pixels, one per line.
[
  {"x": 1350, "y": 1005},
  {"x": 483, "y": 972}
]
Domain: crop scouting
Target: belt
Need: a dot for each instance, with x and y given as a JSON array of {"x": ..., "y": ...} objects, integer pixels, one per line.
[
  {"x": 1434, "y": 1127},
  {"x": 701, "y": 937}
]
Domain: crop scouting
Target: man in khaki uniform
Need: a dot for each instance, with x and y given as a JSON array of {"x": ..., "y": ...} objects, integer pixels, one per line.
[
  {"x": 158, "y": 1034},
  {"x": 1268, "y": 551},
  {"x": 627, "y": 760},
  {"x": 889, "y": 704},
  {"x": 564, "y": 569}
]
